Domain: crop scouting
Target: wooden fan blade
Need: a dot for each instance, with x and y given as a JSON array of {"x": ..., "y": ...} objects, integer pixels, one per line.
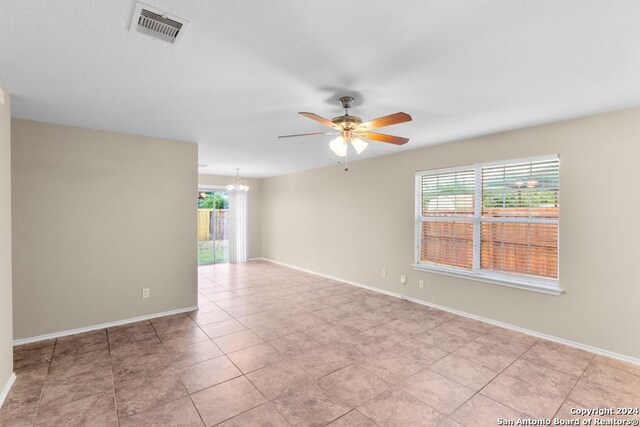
[
  {"x": 308, "y": 134},
  {"x": 392, "y": 119},
  {"x": 319, "y": 119},
  {"x": 397, "y": 140}
]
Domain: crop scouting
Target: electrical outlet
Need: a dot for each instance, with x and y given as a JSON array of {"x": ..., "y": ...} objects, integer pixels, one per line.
[
  {"x": 145, "y": 293},
  {"x": 421, "y": 283},
  {"x": 383, "y": 273},
  {"x": 403, "y": 279}
]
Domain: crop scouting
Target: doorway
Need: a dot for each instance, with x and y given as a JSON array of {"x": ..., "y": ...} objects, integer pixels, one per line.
[{"x": 213, "y": 227}]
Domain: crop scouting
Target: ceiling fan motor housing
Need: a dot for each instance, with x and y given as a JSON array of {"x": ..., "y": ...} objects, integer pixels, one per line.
[{"x": 347, "y": 122}]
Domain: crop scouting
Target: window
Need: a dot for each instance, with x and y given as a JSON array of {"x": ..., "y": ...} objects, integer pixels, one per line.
[{"x": 497, "y": 222}]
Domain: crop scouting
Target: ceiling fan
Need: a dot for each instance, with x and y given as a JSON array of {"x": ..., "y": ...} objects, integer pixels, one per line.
[{"x": 351, "y": 129}]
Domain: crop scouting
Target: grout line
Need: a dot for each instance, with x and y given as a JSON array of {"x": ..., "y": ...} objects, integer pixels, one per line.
[
  {"x": 113, "y": 381},
  {"x": 175, "y": 371},
  {"x": 574, "y": 385},
  {"x": 46, "y": 379}
]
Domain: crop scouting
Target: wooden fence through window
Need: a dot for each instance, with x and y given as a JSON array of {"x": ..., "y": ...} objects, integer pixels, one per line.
[{"x": 212, "y": 224}]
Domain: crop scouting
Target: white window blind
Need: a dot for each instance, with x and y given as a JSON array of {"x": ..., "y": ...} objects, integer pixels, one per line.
[
  {"x": 447, "y": 210},
  {"x": 496, "y": 220}
]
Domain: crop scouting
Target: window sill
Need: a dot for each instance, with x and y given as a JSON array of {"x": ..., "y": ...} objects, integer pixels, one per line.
[{"x": 509, "y": 281}]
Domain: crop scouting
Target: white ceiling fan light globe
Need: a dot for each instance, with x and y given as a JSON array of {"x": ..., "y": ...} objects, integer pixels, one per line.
[
  {"x": 359, "y": 145},
  {"x": 339, "y": 147}
]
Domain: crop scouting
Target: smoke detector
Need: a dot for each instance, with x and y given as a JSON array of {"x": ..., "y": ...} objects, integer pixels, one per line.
[{"x": 157, "y": 24}]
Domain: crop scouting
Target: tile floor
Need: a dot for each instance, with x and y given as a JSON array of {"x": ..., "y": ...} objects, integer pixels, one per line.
[{"x": 271, "y": 346}]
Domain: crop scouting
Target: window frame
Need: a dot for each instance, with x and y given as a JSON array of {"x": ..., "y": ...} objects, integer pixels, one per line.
[{"x": 514, "y": 280}]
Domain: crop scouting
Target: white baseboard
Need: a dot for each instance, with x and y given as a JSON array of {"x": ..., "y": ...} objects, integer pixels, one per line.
[
  {"x": 7, "y": 387},
  {"x": 100, "y": 326},
  {"x": 580, "y": 346}
]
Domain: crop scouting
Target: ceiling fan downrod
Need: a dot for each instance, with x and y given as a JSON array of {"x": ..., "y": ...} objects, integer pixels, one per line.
[{"x": 346, "y": 103}]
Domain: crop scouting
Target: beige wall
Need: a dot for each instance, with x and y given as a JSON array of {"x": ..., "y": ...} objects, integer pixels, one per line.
[
  {"x": 6, "y": 329},
  {"x": 255, "y": 209},
  {"x": 98, "y": 216},
  {"x": 352, "y": 225}
]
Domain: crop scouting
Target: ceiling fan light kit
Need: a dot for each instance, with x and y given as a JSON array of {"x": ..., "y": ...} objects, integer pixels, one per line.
[{"x": 352, "y": 130}]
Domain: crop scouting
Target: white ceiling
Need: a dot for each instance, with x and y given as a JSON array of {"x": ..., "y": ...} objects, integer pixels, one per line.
[{"x": 243, "y": 69}]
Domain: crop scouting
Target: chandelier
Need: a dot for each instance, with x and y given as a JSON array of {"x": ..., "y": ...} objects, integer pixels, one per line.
[{"x": 237, "y": 183}]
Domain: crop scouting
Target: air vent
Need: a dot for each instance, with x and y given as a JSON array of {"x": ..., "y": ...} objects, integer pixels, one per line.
[{"x": 157, "y": 24}]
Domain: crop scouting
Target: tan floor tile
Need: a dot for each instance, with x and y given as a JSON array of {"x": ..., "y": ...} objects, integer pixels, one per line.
[
  {"x": 439, "y": 338},
  {"x": 310, "y": 406},
  {"x": 353, "y": 419},
  {"x": 593, "y": 395},
  {"x": 135, "y": 368},
  {"x": 22, "y": 401},
  {"x": 374, "y": 339},
  {"x": 480, "y": 411},
  {"x": 256, "y": 357},
  {"x": 131, "y": 332},
  {"x": 421, "y": 352},
  {"x": 328, "y": 333},
  {"x": 225, "y": 327},
  {"x": 33, "y": 356},
  {"x": 7, "y": 420},
  {"x": 183, "y": 356},
  {"x": 257, "y": 319},
  {"x": 265, "y": 415},
  {"x": 331, "y": 314},
  {"x": 409, "y": 327},
  {"x": 211, "y": 316},
  {"x": 350, "y": 353},
  {"x": 173, "y": 325},
  {"x": 34, "y": 345},
  {"x": 306, "y": 321},
  {"x": 171, "y": 317},
  {"x": 542, "y": 377},
  {"x": 439, "y": 392},
  {"x": 486, "y": 355},
  {"x": 469, "y": 374},
  {"x": 177, "y": 413},
  {"x": 237, "y": 341},
  {"x": 461, "y": 329},
  {"x": 274, "y": 330},
  {"x": 81, "y": 343},
  {"x": 356, "y": 324},
  {"x": 572, "y": 351},
  {"x": 399, "y": 409},
  {"x": 552, "y": 356},
  {"x": 514, "y": 343},
  {"x": 61, "y": 390},
  {"x": 124, "y": 350},
  {"x": 184, "y": 337},
  {"x": 210, "y": 372},
  {"x": 231, "y": 302},
  {"x": 448, "y": 422},
  {"x": 352, "y": 386},
  {"x": 277, "y": 379},
  {"x": 393, "y": 366},
  {"x": 294, "y": 344},
  {"x": 227, "y": 400},
  {"x": 604, "y": 362},
  {"x": 98, "y": 410},
  {"x": 72, "y": 365},
  {"x": 245, "y": 309},
  {"x": 523, "y": 397},
  {"x": 321, "y": 361},
  {"x": 610, "y": 376},
  {"x": 139, "y": 395}
]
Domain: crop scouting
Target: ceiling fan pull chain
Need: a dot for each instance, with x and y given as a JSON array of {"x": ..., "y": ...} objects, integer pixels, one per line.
[{"x": 346, "y": 161}]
